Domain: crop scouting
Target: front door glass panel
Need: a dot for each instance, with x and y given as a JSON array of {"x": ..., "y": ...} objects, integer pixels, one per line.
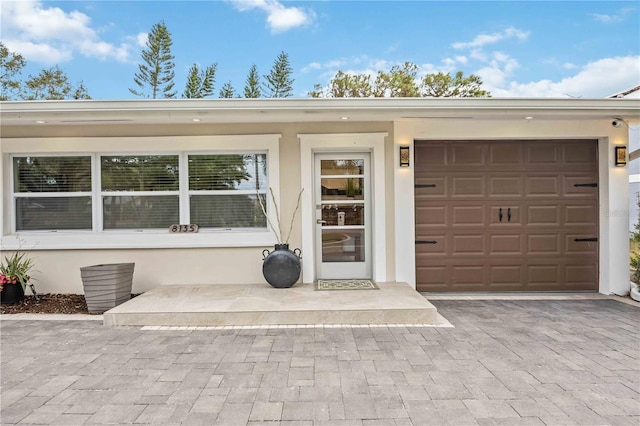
[{"x": 342, "y": 215}]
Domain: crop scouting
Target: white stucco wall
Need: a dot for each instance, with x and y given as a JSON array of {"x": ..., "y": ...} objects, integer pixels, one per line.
[{"x": 613, "y": 184}]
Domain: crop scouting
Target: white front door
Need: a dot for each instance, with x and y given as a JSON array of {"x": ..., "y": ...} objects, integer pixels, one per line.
[{"x": 343, "y": 221}]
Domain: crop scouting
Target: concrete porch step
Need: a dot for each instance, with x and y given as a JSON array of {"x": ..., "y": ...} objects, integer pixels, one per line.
[{"x": 261, "y": 304}]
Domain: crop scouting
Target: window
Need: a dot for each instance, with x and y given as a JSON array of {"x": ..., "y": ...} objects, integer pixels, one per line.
[
  {"x": 140, "y": 191},
  {"x": 224, "y": 190},
  {"x": 52, "y": 193}
]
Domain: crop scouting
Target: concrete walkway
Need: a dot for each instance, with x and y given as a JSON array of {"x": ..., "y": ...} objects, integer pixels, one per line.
[{"x": 506, "y": 362}]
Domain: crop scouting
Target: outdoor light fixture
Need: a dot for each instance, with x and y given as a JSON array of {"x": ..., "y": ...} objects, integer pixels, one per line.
[
  {"x": 404, "y": 156},
  {"x": 621, "y": 156}
]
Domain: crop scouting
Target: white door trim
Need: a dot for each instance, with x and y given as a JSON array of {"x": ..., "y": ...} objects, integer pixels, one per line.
[{"x": 345, "y": 142}]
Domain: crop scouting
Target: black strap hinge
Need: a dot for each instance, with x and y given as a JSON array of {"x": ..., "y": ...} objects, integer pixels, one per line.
[
  {"x": 426, "y": 242},
  {"x": 584, "y": 240},
  {"x": 587, "y": 185},
  {"x": 430, "y": 185}
]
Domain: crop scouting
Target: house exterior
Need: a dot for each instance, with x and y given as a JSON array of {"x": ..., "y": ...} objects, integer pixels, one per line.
[{"x": 496, "y": 195}]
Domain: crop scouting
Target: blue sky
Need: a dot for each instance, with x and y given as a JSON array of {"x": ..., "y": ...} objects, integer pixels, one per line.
[{"x": 586, "y": 49}]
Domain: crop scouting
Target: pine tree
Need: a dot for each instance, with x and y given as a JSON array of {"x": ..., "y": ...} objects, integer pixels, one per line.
[
  {"x": 252, "y": 86},
  {"x": 200, "y": 82},
  {"x": 279, "y": 82},
  {"x": 156, "y": 73},
  {"x": 227, "y": 90}
]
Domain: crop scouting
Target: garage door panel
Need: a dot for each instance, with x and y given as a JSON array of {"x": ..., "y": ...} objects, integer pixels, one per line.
[
  {"x": 543, "y": 274},
  {"x": 506, "y": 216},
  {"x": 430, "y": 187},
  {"x": 543, "y": 186},
  {"x": 505, "y": 277},
  {"x": 577, "y": 275},
  {"x": 470, "y": 275},
  {"x": 543, "y": 244},
  {"x": 580, "y": 154},
  {"x": 542, "y": 154},
  {"x": 467, "y": 154},
  {"x": 468, "y": 186},
  {"x": 431, "y": 215},
  {"x": 543, "y": 215},
  {"x": 506, "y": 244},
  {"x": 468, "y": 245},
  {"x": 468, "y": 215},
  {"x": 505, "y": 186},
  {"x": 432, "y": 157},
  {"x": 574, "y": 186},
  {"x": 505, "y": 154},
  {"x": 576, "y": 245},
  {"x": 432, "y": 278},
  {"x": 580, "y": 215},
  {"x": 431, "y": 244}
]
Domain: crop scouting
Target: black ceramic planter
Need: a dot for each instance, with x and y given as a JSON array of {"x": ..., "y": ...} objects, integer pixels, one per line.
[
  {"x": 281, "y": 267},
  {"x": 11, "y": 294}
]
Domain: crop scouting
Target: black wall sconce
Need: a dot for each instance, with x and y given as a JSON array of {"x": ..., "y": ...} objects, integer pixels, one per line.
[
  {"x": 621, "y": 156},
  {"x": 404, "y": 156}
]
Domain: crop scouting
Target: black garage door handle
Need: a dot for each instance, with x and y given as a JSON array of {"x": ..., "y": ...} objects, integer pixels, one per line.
[
  {"x": 426, "y": 242},
  {"x": 583, "y": 240}
]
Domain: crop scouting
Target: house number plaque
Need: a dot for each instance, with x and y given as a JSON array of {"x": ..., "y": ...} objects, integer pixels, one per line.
[{"x": 181, "y": 229}]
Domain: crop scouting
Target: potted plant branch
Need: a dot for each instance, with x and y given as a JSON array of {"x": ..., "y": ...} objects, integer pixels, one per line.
[
  {"x": 14, "y": 277},
  {"x": 280, "y": 267}
]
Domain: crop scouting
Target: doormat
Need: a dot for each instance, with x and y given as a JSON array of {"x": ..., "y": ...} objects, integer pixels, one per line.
[{"x": 322, "y": 285}]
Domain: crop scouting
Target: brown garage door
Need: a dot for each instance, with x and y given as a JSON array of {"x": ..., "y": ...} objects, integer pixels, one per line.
[{"x": 506, "y": 215}]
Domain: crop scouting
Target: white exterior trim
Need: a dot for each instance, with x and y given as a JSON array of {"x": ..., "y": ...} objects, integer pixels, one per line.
[
  {"x": 350, "y": 142},
  {"x": 99, "y": 239}
]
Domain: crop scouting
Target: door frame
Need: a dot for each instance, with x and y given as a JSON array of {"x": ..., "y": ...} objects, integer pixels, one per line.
[
  {"x": 344, "y": 270},
  {"x": 374, "y": 143}
]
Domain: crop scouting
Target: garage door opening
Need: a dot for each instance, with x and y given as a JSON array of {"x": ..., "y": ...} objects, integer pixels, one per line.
[{"x": 494, "y": 216}]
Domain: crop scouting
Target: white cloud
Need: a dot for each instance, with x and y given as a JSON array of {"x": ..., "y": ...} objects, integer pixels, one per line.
[
  {"x": 49, "y": 55},
  {"x": 619, "y": 16},
  {"x": 484, "y": 39},
  {"x": 595, "y": 80},
  {"x": 141, "y": 39},
  {"x": 279, "y": 17},
  {"x": 49, "y": 35}
]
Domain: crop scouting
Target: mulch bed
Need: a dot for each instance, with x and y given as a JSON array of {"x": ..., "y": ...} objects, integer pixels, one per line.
[{"x": 48, "y": 304}]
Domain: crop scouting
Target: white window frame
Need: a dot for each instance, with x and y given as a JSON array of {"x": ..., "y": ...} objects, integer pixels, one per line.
[
  {"x": 16, "y": 195},
  {"x": 102, "y": 194},
  {"x": 129, "y": 238},
  {"x": 187, "y": 213}
]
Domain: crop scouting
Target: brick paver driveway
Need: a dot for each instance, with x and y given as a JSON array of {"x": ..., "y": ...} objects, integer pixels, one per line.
[{"x": 505, "y": 363}]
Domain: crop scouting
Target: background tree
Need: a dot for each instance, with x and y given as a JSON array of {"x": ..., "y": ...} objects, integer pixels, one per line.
[
  {"x": 344, "y": 85},
  {"x": 11, "y": 65},
  {"x": 401, "y": 81},
  {"x": 200, "y": 82},
  {"x": 279, "y": 83},
  {"x": 442, "y": 85},
  {"x": 227, "y": 91},
  {"x": 252, "y": 84},
  {"x": 156, "y": 73},
  {"x": 52, "y": 84}
]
